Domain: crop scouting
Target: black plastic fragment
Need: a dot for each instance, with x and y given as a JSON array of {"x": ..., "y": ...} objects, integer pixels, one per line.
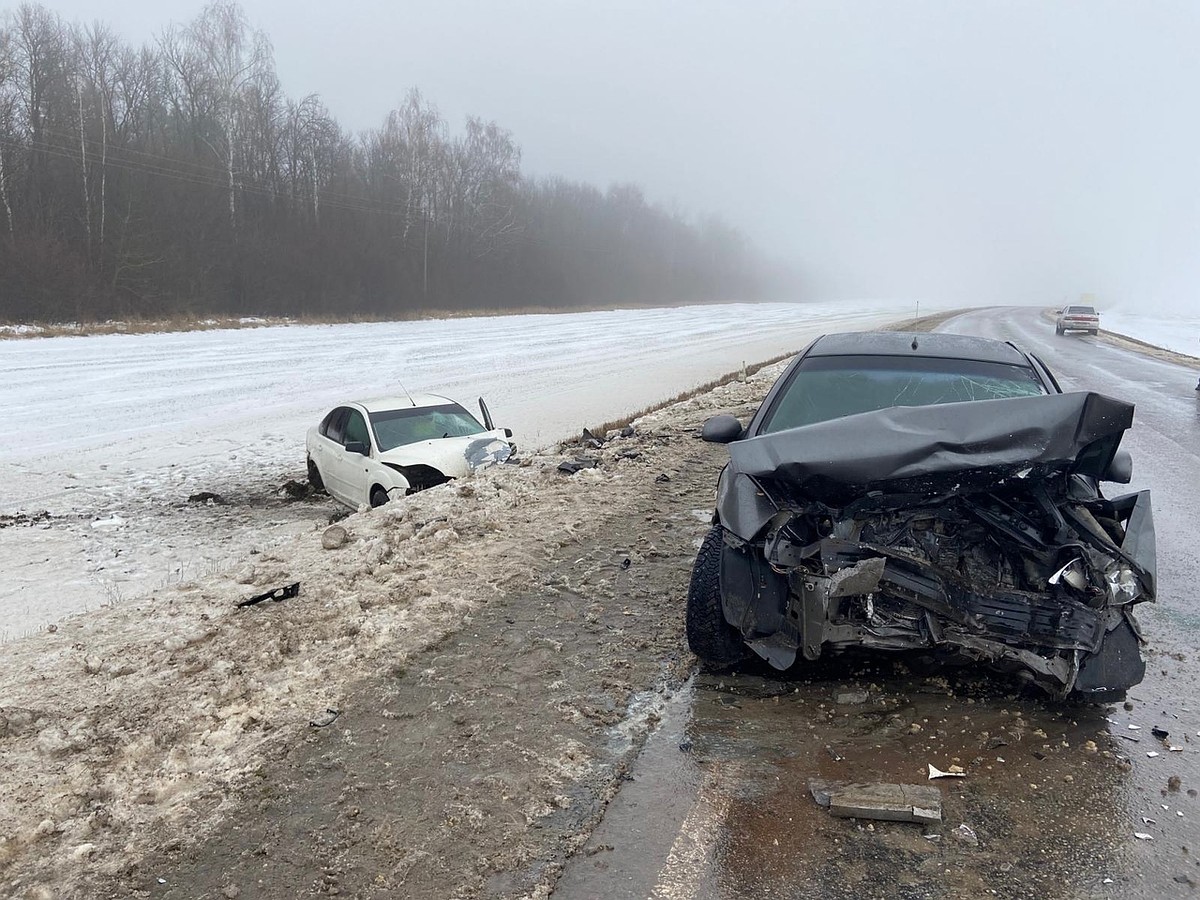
[
  {"x": 331, "y": 717},
  {"x": 280, "y": 593},
  {"x": 571, "y": 466}
]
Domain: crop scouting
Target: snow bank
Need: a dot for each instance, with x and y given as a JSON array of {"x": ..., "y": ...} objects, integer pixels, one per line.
[{"x": 1180, "y": 333}]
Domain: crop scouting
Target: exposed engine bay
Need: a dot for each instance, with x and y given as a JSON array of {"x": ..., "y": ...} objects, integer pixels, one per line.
[{"x": 994, "y": 545}]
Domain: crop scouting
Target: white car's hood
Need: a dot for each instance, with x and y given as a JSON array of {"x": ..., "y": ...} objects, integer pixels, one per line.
[{"x": 454, "y": 457}]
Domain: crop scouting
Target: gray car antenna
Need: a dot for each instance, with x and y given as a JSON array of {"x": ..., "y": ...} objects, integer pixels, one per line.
[{"x": 406, "y": 393}]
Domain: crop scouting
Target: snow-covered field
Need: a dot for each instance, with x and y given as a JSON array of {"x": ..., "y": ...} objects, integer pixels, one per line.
[
  {"x": 1180, "y": 333},
  {"x": 111, "y": 434}
]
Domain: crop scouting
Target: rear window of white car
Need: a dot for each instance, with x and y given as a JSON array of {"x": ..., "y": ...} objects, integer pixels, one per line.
[
  {"x": 1081, "y": 311},
  {"x": 397, "y": 427}
]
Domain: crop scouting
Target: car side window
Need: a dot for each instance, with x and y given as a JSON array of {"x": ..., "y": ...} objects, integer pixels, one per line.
[
  {"x": 356, "y": 429},
  {"x": 336, "y": 422},
  {"x": 328, "y": 421}
]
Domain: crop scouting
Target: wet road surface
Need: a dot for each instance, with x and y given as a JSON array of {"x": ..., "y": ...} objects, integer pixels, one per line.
[{"x": 718, "y": 805}]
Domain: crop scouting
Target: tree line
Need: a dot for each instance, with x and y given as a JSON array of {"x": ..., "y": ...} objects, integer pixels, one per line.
[{"x": 177, "y": 178}]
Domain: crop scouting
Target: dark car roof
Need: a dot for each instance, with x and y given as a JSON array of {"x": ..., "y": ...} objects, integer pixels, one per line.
[{"x": 901, "y": 343}]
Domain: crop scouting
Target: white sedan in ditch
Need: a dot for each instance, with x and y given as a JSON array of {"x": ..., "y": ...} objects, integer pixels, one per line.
[{"x": 373, "y": 451}]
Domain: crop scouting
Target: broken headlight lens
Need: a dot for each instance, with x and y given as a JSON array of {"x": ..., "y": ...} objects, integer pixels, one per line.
[{"x": 1122, "y": 584}]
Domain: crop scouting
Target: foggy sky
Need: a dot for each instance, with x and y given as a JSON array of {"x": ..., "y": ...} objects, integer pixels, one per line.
[{"x": 953, "y": 151}]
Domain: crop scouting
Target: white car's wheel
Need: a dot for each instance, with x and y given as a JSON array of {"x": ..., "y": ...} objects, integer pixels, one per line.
[
  {"x": 378, "y": 496},
  {"x": 314, "y": 477}
]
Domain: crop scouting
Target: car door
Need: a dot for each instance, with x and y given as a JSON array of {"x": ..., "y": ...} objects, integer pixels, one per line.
[
  {"x": 487, "y": 415},
  {"x": 327, "y": 452},
  {"x": 355, "y": 468}
]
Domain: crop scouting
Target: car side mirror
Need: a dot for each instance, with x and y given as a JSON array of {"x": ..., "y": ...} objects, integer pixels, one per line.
[
  {"x": 1120, "y": 470},
  {"x": 508, "y": 432},
  {"x": 722, "y": 430},
  {"x": 358, "y": 447}
]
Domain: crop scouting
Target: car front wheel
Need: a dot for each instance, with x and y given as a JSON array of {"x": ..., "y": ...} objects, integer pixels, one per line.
[
  {"x": 378, "y": 496},
  {"x": 314, "y": 477},
  {"x": 709, "y": 636}
]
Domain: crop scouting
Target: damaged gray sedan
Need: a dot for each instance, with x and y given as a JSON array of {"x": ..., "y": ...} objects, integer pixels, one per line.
[{"x": 931, "y": 493}]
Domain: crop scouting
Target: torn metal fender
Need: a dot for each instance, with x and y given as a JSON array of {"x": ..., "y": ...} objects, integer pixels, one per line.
[
  {"x": 742, "y": 506},
  {"x": 487, "y": 451},
  {"x": 929, "y": 449}
]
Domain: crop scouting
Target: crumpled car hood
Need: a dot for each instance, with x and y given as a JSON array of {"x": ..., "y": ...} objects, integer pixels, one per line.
[
  {"x": 924, "y": 449},
  {"x": 455, "y": 457}
]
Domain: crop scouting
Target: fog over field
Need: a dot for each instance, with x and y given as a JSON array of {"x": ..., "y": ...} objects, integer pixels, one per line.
[{"x": 991, "y": 151}]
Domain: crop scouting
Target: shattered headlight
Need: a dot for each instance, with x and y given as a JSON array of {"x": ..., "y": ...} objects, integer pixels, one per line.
[
  {"x": 1072, "y": 574},
  {"x": 1122, "y": 584}
]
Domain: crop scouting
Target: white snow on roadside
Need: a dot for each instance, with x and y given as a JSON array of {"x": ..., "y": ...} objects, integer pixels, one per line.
[
  {"x": 1179, "y": 333},
  {"x": 117, "y": 430}
]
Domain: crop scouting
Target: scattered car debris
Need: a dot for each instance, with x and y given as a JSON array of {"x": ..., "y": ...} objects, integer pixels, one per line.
[
  {"x": 208, "y": 497},
  {"x": 966, "y": 834},
  {"x": 277, "y": 594},
  {"x": 331, "y": 716},
  {"x": 1146, "y": 820},
  {"x": 1142, "y": 836},
  {"x": 952, "y": 772},
  {"x": 571, "y": 466},
  {"x": 662, "y": 479},
  {"x": 1160, "y": 733},
  {"x": 590, "y": 440},
  {"x": 833, "y": 754},
  {"x": 850, "y": 698},
  {"x": 878, "y": 800},
  {"x": 1152, "y": 754}
]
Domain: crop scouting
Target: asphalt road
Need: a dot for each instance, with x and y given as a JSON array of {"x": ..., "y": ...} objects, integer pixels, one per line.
[{"x": 718, "y": 805}]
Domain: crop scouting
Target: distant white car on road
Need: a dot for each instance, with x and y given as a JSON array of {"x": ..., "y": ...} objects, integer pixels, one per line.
[
  {"x": 373, "y": 451},
  {"x": 1077, "y": 318}
]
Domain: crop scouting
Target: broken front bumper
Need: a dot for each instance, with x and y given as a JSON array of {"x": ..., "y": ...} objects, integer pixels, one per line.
[{"x": 794, "y": 600}]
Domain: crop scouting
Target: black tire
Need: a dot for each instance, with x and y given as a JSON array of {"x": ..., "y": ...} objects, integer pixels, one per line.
[
  {"x": 1058, "y": 331},
  {"x": 378, "y": 496},
  {"x": 710, "y": 637},
  {"x": 1094, "y": 331},
  {"x": 314, "y": 477}
]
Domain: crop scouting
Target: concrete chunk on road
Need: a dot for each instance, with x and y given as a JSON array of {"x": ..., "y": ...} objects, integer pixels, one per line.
[{"x": 878, "y": 800}]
